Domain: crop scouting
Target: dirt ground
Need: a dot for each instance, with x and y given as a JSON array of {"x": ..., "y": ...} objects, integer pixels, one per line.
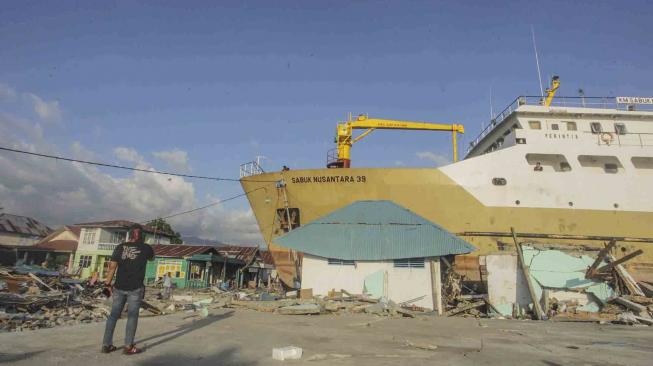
[{"x": 246, "y": 337}]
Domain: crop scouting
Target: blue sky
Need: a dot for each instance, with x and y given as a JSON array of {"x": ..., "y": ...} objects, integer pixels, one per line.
[{"x": 224, "y": 82}]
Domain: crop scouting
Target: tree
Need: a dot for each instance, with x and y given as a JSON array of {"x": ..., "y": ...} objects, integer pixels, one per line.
[{"x": 160, "y": 225}]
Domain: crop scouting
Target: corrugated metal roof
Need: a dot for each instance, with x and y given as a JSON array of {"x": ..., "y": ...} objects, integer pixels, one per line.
[
  {"x": 23, "y": 225},
  {"x": 181, "y": 251},
  {"x": 57, "y": 245},
  {"x": 373, "y": 230}
]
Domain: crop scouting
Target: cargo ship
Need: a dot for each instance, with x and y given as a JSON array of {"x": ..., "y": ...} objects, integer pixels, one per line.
[{"x": 567, "y": 170}]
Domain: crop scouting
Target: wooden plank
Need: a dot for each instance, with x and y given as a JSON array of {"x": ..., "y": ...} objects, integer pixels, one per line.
[
  {"x": 625, "y": 277},
  {"x": 623, "y": 259},
  {"x": 436, "y": 285},
  {"x": 637, "y": 308},
  {"x": 465, "y": 308},
  {"x": 35, "y": 278},
  {"x": 527, "y": 276},
  {"x": 599, "y": 258},
  {"x": 489, "y": 305}
]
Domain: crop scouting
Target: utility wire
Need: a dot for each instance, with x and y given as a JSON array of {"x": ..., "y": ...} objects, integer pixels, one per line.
[
  {"x": 131, "y": 168},
  {"x": 206, "y": 206}
]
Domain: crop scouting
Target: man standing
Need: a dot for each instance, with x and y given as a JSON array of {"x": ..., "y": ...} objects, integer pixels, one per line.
[
  {"x": 167, "y": 286},
  {"x": 130, "y": 259}
]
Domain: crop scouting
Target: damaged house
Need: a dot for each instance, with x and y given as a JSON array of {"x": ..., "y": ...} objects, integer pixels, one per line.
[
  {"x": 98, "y": 239},
  {"x": 375, "y": 247},
  {"x": 17, "y": 233}
]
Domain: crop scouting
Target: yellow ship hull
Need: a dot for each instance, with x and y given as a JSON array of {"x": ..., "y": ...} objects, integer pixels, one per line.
[{"x": 432, "y": 194}]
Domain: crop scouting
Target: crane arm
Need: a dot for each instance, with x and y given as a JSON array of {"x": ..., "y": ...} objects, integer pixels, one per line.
[
  {"x": 345, "y": 138},
  {"x": 390, "y": 124}
]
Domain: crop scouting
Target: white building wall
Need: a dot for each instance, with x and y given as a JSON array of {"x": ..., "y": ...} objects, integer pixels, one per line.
[{"x": 403, "y": 283}]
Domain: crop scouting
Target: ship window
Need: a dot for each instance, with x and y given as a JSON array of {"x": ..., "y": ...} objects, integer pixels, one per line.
[
  {"x": 282, "y": 218},
  {"x": 611, "y": 168},
  {"x": 499, "y": 181},
  {"x": 535, "y": 125},
  {"x": 548, "y": 162},
  {"x": 516, "y": 126},
  {"x": 620, "y": 128},
  {"x": 507, "y": 133},
  {"x": 340, "y": 262},
  {"x": 607, "y": 164},
  {"x": 500, "y": 142},
  {"x": 565, "y": 167},
  {"x": 596, "y": 127},
  {"x": 642, "y": 162},
  {"x": 554, "y": 126},
  {"x": 571, "y": 126}
]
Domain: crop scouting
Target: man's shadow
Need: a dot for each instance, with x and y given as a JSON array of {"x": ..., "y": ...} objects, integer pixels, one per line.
[{"x": 184, "y": 329}]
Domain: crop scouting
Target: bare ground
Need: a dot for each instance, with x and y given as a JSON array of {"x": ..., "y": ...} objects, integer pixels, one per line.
[{"x": 245, "y": 337}]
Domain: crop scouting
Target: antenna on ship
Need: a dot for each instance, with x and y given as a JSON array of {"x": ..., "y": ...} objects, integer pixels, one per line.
[{"x": 537, "y": 62}]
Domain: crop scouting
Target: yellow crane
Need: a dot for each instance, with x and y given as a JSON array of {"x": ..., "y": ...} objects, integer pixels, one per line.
[
  {"x": 345, "y": 139},
  {"x": 551, "y": 92}
]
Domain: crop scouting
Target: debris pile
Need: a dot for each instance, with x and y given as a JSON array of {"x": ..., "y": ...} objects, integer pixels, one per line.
[
  {"x": 550, "y": 281},
  {"x": 336, "y": 302},
  {"x": 31, "y": 301}
]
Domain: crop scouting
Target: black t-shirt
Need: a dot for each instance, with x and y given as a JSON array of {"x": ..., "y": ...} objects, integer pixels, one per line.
[{"x": 132, "y": 259}]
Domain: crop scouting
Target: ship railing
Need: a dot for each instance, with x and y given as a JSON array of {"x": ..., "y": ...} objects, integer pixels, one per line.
[
  {"x": 640, "y": 139},
  {"x": 579, "y": 102},
  {"x": 250, "y": 168}
]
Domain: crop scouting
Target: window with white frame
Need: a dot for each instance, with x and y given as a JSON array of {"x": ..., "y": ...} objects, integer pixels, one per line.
[
  {"x": 340, "y": 262},
  {"x": 409, "y": 263},
  {"x": 88, "y": 237},
  {"x": 85, "y": 261},
  {"x": 118, "y": 237}
]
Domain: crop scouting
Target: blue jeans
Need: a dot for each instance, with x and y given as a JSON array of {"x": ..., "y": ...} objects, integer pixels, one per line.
[{"x": 133, "y": 299}]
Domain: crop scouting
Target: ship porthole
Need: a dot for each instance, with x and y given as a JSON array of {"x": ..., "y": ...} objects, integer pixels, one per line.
[
  {"x": 571, "y": 204},
  {"x": 616, "y": 205},
  {"x": 517, "y": 202}
]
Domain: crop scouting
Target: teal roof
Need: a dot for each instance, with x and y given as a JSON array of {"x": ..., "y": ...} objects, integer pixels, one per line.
[{"x": 373, "y": 230}]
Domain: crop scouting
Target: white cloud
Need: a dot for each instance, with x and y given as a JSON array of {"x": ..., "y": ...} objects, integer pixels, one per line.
[
  {"x": 128, "y": 154},
  {"x": 59, "y": 193},
  {"x": 48, "y": 111},
  {"x": 7, "y": 92},
  {"x": 438, "y": 159},
  {"x": 175, "y": 159}
]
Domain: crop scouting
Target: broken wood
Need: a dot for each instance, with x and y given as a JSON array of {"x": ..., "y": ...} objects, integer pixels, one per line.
[
  {"x": 636, "y": 308},
  {"x": 491, "y": 307},
  {"x": 646, "y": 288},
  {"x": 626, "y": 278},
  {"x": 623, "y": 259},
  {"x": 35, "y": 278},
  {"x": 436, "y": 285},
  {"x": 527, "y": 276},
  {"x": 599, "y": 258},
  {"x": 643, "y": 320},
  {"x": 465, "y": 308},
  {"x": 151, "y": 308}
]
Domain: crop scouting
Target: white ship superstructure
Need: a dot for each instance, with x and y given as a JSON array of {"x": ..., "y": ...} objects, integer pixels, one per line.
[{"x": 582, "y": 153}]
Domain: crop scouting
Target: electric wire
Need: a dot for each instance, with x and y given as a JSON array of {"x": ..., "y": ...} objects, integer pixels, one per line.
[
  {"x": 206, "y": 206},
  {"x": 115, "y": 166}
]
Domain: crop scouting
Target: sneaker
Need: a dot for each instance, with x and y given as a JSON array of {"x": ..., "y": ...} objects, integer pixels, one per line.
[
  {"x": 108, "y": 349},
  {"x": 132, "y": 350}
]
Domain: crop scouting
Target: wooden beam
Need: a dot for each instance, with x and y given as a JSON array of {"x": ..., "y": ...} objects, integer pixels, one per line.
[
  {"x": 626, "y": 278},
  {"x": 436, "y": 284},
  {"x": 623, "y": 259},
  {"x": 599, "y": 258},
  {"x": 527, "y": 276}
]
